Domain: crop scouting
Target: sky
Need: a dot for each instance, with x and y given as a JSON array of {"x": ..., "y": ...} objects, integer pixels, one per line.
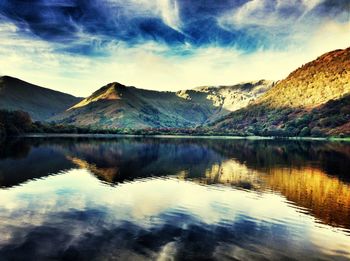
[{"x": 77, "y": 46}]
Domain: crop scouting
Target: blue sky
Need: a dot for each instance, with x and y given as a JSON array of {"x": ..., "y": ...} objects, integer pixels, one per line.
[{"x": 77, "y": 46}]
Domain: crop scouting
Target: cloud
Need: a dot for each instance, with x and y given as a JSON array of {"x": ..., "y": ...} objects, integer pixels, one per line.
[
  {"x": 84, "y": 26},
  {"x": 154, "y": 66},
  {"x": 170, "y": 13},
  {"x": 77, "y": 46},
  {"x": 266, "y": 13}
]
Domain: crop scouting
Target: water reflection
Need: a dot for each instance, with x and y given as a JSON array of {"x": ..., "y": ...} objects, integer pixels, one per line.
[{"x": 260, "y": 199}]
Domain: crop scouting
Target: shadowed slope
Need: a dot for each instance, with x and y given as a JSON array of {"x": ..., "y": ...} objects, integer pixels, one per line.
[{"x": 39, "y": 102}]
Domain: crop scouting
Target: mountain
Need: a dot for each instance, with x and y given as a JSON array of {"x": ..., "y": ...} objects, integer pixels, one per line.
[
  {"x": 41, "y": 103},
  {"x": 119, "y": 106},
  {"x": 313, "y": 100}
]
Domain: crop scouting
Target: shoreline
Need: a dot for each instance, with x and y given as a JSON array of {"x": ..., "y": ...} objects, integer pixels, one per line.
[{"x": 170, "y": 136}]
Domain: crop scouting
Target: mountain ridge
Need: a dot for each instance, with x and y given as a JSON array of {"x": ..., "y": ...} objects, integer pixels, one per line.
[
  {"x": 328, "y": 74},
  {"x": 121, "y": 106},
  {"x": 40, "y": 102},
  {"x": 313, "y": 100}
]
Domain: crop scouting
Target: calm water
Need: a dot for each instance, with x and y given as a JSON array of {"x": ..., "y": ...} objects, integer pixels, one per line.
[{"x": 174, "y": 199}]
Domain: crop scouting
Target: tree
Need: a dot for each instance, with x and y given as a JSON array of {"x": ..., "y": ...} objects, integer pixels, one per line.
[
  {"x": 14, "y": 122},
  {"x": 305, "y": 132},
  {"x": 2, "y": 131},
  {"x": 316, "y": 132}
]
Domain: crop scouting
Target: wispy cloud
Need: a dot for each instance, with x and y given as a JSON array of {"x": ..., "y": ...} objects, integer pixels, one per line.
[{"x": 77, "y": 46}]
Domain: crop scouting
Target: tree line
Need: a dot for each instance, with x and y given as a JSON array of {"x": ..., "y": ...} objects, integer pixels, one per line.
[{"x": 15, "y": 123}]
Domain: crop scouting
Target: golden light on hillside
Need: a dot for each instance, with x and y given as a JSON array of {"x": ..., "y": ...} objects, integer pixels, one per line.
[{"x": 314, "y": 83}]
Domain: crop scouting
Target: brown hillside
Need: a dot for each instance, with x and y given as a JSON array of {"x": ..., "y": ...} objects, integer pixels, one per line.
[
  {"x": 326, "y": 78},
  {"x": 312, "y": 100}
]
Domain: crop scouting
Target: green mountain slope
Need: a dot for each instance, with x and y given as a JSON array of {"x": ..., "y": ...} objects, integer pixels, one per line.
[
  {"x": 41, "y": 103},
  {"x": 116, "y": 105},
  {"x": 312, "y": 100}
]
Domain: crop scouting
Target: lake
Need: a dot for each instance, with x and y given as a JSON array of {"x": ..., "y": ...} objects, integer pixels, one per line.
[{"x": 174, "y": 199}]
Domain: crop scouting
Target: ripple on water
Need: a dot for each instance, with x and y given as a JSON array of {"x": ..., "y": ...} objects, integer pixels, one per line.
[{"x": 242, "y": 200}]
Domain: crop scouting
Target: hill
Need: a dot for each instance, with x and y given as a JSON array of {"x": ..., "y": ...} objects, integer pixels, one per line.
[
  {"x": 41, "y": 103},
  {"x": 119, "y": 106},
  {"x": 313, "y": 100}
]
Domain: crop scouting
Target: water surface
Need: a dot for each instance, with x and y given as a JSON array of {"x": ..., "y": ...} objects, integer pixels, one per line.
[{"x": 182, "y": 199}]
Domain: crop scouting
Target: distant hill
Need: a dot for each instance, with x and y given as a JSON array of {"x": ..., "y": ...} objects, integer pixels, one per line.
[
  {"x": 119, "y": 106},
  {"x": 312, "y": 100},
  {"x": 41, "y": 103}
]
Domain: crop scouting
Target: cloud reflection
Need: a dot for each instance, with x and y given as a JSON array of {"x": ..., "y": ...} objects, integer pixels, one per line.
[{"x": 178, "y": 218}]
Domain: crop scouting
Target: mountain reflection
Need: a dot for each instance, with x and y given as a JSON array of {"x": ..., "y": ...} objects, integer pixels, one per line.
[
  {"x": 327, "y": 198},
  {"x": 312, "y": 175}
]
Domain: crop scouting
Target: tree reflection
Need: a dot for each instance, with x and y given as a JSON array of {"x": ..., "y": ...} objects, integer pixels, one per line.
[{"x": 313, "y": 175}]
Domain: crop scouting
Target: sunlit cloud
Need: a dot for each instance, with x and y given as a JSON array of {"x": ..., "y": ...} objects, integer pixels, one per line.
[{"x": 77, "y": 47}]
